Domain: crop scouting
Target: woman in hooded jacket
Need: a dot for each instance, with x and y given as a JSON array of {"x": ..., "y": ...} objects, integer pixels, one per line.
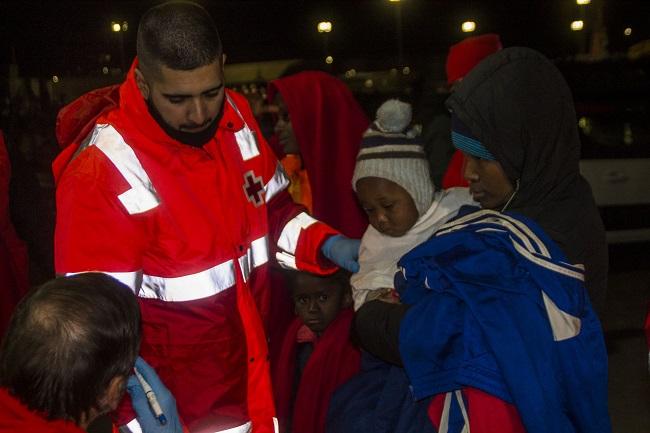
[{"x": 496, "y": 324}]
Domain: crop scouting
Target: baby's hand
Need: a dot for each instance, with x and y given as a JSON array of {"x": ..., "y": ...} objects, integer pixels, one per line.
[
  {"x": 386, "y": 294},
  {"x": 391, "y": 296}
]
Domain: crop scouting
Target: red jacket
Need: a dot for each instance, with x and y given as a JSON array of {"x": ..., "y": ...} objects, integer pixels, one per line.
[
  {"x": 14, "y": 276},
  {"x": 16, "y": 417},
  {"x": 192, "y": 231}
]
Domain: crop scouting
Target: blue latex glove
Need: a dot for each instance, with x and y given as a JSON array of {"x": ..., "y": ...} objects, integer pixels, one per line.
[
  {"x": 144, "y": 413},
  {"x": 342, "y": 251}
]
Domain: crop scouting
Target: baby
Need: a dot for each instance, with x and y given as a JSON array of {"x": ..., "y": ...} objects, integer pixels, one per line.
[{"x": 393, "y": 184}]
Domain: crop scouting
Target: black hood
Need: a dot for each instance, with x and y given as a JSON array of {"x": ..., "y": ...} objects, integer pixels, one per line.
[{"x": 517, "y": 103}]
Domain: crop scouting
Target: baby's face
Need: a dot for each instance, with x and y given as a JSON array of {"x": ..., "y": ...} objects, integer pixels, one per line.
[{"x": 390, "y": 208}]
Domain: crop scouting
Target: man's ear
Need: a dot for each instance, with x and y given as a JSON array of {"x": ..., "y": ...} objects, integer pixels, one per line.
[
  {"x": 113, "y": 394},
  {"x": 142, "y": 84}
]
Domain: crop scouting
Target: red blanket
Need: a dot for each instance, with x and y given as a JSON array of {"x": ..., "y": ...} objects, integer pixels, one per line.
[
  {"x": 334, "y": 360},
  {"x": 328, "y": 123}
]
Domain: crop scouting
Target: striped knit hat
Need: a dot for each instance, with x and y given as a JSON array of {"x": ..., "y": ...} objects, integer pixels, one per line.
[{"x": 389, "y": 152}]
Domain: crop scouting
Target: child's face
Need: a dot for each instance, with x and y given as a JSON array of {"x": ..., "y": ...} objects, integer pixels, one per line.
[
  {"x": 318, "y": 300},
  {"x": 390, "y": 207}
]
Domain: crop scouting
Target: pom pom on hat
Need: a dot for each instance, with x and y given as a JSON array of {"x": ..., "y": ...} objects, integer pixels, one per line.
[
  {"x": 393, "y": 116},
  {"x": 389, "y": 152}
]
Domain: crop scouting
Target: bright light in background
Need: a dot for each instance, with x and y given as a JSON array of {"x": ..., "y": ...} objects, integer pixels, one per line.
[
  {"x": 55, "y": 78},
  {"x": 324, "y": 27},
  {"x": 394, "y": 1},
  {"x": 125, "y": 26},
  {"x": 105, "y": 70},
  {"x": 627, "y": 31},
  {"x": 406, "y": 70},
  {"x": 329, "y": 60},
  {"x": 468, "y": 26},
  {"x": 583, "y": 2},
  {"x": 368, "y": 83},
  {"x": 116, "y": 27},
  {"x": 350, "y": 73},
  {"x": 577, "y": 25}
]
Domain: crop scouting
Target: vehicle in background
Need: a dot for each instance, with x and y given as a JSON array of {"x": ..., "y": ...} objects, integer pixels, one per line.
[{"x": 612, "y": 100}]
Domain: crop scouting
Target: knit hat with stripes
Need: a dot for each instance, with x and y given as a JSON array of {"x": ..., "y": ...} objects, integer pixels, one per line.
[{"x": 389, "y": 151}]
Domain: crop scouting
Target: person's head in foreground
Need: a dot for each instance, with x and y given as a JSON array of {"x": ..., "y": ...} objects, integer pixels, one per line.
[{"x": 70, "y": 347}]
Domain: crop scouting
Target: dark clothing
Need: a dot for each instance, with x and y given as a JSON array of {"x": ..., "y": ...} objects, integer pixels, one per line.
[
  {"x": 436, "y": 136},
  {"x": 378, "y": 400},
  {"x": 532, "y": 132},
  {"x": 376, "y": 327},
  {"x": 14, "y": 276}
]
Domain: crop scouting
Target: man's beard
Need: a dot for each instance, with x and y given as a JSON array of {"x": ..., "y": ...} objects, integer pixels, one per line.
[{"x": 195, "y": 139}]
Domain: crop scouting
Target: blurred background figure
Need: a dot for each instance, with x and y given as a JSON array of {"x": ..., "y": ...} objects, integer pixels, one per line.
[
  {"x": 447, "y": 163},
  {"x": 319, "y": 126},
  {"x": 14, "y": 274}
]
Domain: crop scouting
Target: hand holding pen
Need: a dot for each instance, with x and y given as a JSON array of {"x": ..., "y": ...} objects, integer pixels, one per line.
[{"x": 154, "y": 405}]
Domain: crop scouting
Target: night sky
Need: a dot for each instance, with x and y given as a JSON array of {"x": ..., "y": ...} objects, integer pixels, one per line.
[{"x": 73, "y": 37}]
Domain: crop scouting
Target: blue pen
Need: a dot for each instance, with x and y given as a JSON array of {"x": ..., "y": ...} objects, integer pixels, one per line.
[{"x": 151, "y": 398}]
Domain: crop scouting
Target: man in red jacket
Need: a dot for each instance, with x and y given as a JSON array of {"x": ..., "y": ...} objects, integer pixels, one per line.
[{"x": 175, "y": 193}]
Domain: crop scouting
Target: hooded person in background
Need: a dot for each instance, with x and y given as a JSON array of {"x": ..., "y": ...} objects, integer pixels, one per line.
[{"x": 319, "y": 127}]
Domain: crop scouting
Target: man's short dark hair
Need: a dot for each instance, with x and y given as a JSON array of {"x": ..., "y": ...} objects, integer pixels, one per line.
[
  {"x": 179, "y": 35},
  {"x": 66, "y": 341}
]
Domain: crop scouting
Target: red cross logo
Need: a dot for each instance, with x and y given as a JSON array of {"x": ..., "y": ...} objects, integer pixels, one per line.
[{"x": 253, "y": 188}]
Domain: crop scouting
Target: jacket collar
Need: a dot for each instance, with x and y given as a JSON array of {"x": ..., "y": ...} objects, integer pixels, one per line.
[{"x": 137, "y": 112}]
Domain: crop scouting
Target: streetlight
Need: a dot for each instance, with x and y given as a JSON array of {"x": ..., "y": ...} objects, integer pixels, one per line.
[
  {"x": 468, "y": 26},
  {"x": 627, "y": 31},
  {"x": 583, "y": 2},
  {"x": 120, "y": 28},
  {"x": 577, "y": 25},
  {"x": 324, "y": 27}
]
